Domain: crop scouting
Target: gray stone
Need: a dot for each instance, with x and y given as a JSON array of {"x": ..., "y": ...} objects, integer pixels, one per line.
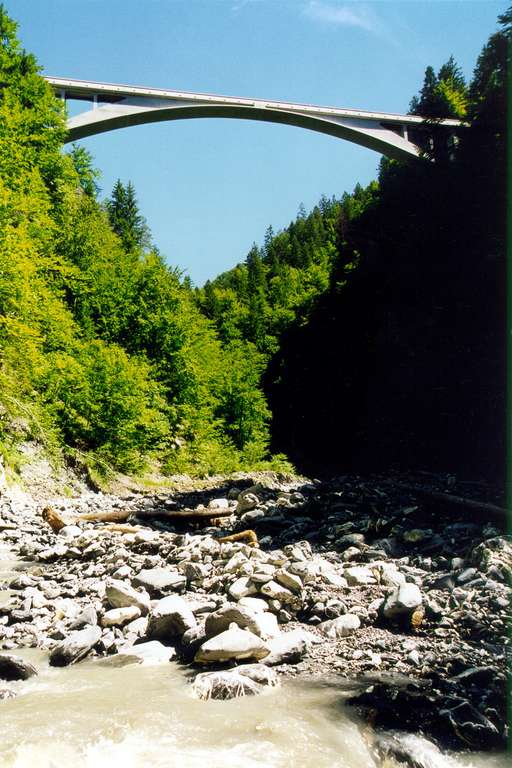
[
  {"x": 74, "y": 647},
  {"x": 249, "y": 680},
  {"x": 148, "y": 653},
  {"x": 289, "y": 580},
  {"x": 84, "y": 618},
  {"x": 276, "y": 591},
  {"x": 402, "y": 601},
  {"x": 117, "y": 617},
  {"x": 158, "y": 581},
  {"x": 121, "y": 595},
  {"x": 288, "y": 648},
  {"x": 357, "y": 575},
  {"x": 234, "y": 643},
  {"x": 230, "y": 613},
  {"x": 242, "y": 587},
  {"x": 170, "y": 618},
  {"x": 340, "y": 627},
  {"x": 14, "y": 668}
]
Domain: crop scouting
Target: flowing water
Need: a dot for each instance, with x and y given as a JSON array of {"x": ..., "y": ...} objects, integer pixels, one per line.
[{"x": 94, "y": 716}]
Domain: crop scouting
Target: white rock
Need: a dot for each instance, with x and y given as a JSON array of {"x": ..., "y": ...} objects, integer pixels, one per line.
[
  {"x": 121, "y": 595},
  {"x": 276, "y": 591},
  {"x": 117, "y": 617},
  {"x": 263, "y": 572},
  {"x": 307, "y": 570},
  {"x": 289, "y": 580},
  {"x": 403, "y": 600},
  {"x": 137, "y": 628},
  {"x": 170, "y": 618},
  {"x": 146, "y": 536},
  {"x": 149, "y": 654},
  {"x": 234, "y": 563},
  {"x": 288, "y": 648},
  {"x": 74, "y": 647},
  {"x": 341, "y": 626},
  {"x": 218, "y": 504},
  {"x": 248, "y": 680},
  {"x": 331, "y": 578},
  {"x": 358, "y": 574},
  {"x": 234, "y": 643},
  {"x": 254, "y": 604},
  {"x": 266, "y": 623},
  {"x": 242, "y": 587},
  {"x": 390, "y": 577},
  {"x": 70, "y": 531},
  {"x": 221, "y": 619}
]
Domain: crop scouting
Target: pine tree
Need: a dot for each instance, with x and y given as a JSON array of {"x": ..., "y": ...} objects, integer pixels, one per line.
[{"x": 125, "y": 218}]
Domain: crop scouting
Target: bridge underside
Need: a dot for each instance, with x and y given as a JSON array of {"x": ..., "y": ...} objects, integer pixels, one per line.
[
  {"x": 364, "y": 133},
  {"x": 400, "y": 137}
]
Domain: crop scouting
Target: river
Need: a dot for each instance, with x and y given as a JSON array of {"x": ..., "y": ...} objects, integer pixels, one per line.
[{"x": 93, "y": 716}]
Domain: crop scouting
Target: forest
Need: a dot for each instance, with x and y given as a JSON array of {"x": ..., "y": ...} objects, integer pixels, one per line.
[{"x": 368, "y": 334}]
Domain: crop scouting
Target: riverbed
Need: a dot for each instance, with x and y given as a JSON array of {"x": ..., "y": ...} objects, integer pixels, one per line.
[{"x": 95, "y": 714}]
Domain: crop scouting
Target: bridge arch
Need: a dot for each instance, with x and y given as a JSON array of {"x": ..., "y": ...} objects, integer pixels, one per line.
[{"x": 116, "y": 106}]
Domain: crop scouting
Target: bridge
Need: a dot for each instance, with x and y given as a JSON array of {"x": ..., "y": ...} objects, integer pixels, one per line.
[{"x": 119, "y": 106}]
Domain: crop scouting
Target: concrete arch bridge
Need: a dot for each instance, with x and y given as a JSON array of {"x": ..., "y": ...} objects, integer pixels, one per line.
[{"x": 400, "y": 137}]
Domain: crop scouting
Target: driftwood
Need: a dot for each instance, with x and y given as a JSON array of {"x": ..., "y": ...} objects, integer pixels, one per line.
[
  {"x": 116, "y": 516},
  {"x": 460, "y": 501}
]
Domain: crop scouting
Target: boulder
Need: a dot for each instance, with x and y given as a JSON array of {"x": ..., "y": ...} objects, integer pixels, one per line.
[
  {"x": 359, "y": 574},
  {"x": 248, "y": 680},
  {"x": 266, "y": 625},
  {"x": 402, "y": 601},
  {"x": 288, "y": 648},
  {"x": 254, "y": 604},
  {"x": 340, "y": 627},
  {"x": 230, "y": 613},
  {"x": 117, "y": 617},
  {"x": 276, "y": 591},
  {"x": 119, "y": 594},
  {"x": 149, "y": 653},
  {"x": 246, "y": 502},
  {"x": 14, "y": 668},
  {"x": 74, "y": 647},
  {"x": 242, "y": 587},
  {"x": 289, "y": 580},
  {"x": 159, "y": 581},
  {"x": 234, "y": 643},
  {"x": 85, "y": 617},
  {"x": 169, "y": 619}
]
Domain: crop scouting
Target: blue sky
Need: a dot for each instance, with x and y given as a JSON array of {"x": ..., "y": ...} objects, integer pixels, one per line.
[{"x": 209, "y": 188}]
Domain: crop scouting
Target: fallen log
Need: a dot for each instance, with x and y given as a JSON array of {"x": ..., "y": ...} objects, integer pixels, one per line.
[
  {"x": 449, "y": 498},
  {"x": 56, "y": 521}
]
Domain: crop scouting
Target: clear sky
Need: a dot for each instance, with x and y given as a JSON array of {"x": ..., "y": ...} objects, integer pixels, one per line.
[{"x": 209, "y": 188}]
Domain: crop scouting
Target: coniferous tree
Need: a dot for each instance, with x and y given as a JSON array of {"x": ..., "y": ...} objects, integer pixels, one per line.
[{"x": 126, "y": 219}]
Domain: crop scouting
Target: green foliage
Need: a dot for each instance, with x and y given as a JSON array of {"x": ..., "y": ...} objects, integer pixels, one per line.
[
  {"x": 442, "y": 95},
  {"x": 106, "y": 402},
  {"x": 125, "y": 218},
  {"x": 280, "y": 283},
  {"x": 103, "y": 349},
  {"x": 87, "y": 173}
]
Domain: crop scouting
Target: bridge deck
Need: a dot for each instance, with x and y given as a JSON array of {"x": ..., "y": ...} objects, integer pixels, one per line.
[{"x": 111, "y": 93}]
